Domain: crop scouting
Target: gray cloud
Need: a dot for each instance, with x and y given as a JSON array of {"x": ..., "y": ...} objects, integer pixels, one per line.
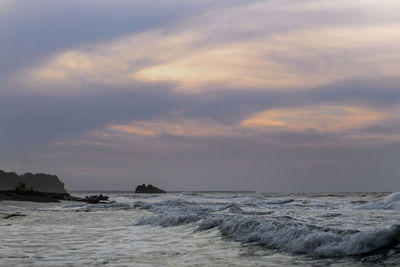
[
  {"x": 33, "y": 31},
  {"x": 32, "y": 118}
]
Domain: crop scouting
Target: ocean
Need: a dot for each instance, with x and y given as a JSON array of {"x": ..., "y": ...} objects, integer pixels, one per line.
[{"x": 205, "y": 229}]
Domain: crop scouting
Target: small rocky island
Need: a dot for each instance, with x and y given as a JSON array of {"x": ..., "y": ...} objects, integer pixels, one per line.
[{"x": 149, "y": 189}]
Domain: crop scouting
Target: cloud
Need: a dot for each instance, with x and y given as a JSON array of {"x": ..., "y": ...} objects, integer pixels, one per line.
[
  {"x": 34, "y": 32},
  {"x": 112, "y": 63},
  {"x": 312, "y": 124},
  {"x": 199, "y": 127},
  {"x": 192, "y": 56},
  {"x": 320, "y": 118}
]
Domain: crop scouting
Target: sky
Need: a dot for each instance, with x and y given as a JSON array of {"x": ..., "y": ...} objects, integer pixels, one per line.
[{"x": 270, "y": 96}]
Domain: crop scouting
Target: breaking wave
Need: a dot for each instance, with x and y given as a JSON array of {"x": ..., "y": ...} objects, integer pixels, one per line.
[
  {"x": 302, "y": 239},
  {"x": 169, "y": 219},
  {"x": 392, "y": 201},
  {"x": 237, "y": 224},
  {"x": 285, "y": 236}
]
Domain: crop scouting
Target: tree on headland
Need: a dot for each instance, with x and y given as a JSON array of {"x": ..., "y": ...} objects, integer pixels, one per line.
[{"x": 20, "y": 186}]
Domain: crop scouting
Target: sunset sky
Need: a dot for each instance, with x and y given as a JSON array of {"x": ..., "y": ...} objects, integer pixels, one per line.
[{"x": 271, "y": 96}]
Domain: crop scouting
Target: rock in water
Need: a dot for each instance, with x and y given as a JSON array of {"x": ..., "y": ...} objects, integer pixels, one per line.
[
  {"x": 8, "y": 216},
  {"x": 95, "y": 199},
  {"x": 149, "y": 189}
]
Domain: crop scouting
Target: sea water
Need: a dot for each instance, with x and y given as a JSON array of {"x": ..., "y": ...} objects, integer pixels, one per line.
[{"x": 211, "y": 229}]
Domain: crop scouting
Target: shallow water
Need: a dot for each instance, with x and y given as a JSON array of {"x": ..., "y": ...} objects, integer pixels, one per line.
[{"x": 206, "y": 229}]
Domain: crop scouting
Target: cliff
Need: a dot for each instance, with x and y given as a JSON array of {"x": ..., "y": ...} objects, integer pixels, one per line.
[
  {"x": 38, "y": 182},
  {"x": 143, "y": 189}
]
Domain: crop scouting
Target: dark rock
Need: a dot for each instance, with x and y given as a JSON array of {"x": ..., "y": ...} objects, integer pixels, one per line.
[
  {"x": 95, "y": 199},
  {"x": 33, "y": 182},
  {"x": 8, "y": 216},
  {"x": 149, "y": 189}
]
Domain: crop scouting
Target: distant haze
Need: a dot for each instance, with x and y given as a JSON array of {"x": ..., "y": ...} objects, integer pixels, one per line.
[{"x": 270, "y": 96}]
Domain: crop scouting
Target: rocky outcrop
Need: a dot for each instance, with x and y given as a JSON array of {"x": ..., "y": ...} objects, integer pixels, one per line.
[
  {"x": 38, "y": 182},
  {"x": 149, "y": 189},
  {"x": 96, "y": 199}
]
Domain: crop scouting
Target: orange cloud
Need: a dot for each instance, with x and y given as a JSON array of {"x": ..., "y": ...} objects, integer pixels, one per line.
[
  {"x": 177, "y": 127},
  {"x": 186, "y": 54},
  {"x": 321, "y": 118}
]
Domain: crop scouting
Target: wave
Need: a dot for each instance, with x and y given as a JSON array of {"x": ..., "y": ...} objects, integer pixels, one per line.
[
  {"x": 284, "y": 236},
  {"x": 279, "y": 201},
  {"x": 234, "y": 208},
  {"x": 302, "y": 239},
  {"x": 191, "y": 194},
  {"x": 74, "y": 206},
  {"x": 180, "y": 205},
  {"x": 169, "y": 219},
  {"x": 392, "y": 201},
  {"x": 104, "y": 206},
  {"x": 278, "y": 233},
  {"x": 175, "y": 212},
  {"x": 249, "y": 220}
]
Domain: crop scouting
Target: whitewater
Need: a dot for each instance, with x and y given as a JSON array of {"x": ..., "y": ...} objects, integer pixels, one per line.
[{"x": 212, "y": 229}]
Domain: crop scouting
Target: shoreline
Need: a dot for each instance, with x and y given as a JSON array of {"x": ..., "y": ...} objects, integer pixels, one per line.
[{"x": 35, "y": 196}]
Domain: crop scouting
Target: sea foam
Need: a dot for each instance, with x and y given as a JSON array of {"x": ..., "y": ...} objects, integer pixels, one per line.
[{"x": 392, "y": 201}]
